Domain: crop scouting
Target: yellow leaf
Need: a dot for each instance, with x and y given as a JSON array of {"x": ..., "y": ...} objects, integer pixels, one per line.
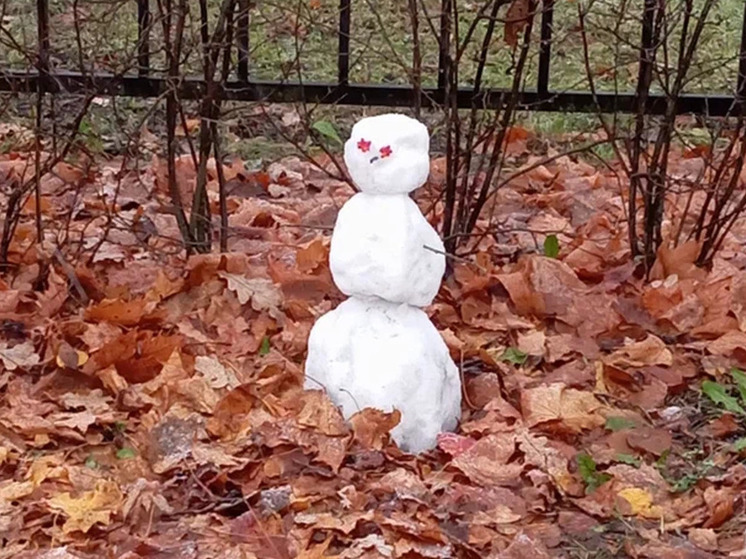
[
  {"x": 79, "y": 359},
  {"x": 46, "y": 467},
  {"x": 88, "y": 509},
  {"x": 14, "y": 490},
  {"x": 640, "y": 502},
  {"x": 601, "y": 387}
]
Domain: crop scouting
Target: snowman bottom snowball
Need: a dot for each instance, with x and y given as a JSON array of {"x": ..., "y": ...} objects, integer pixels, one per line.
[{"x": 373, "y": 353}]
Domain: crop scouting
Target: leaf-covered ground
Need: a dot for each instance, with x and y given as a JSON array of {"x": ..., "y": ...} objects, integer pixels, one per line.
[{"x": 151, "y": 404}]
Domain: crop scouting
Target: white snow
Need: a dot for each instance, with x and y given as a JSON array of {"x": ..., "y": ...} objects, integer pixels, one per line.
[
  {"x": 378, "y": 249},
  {"x": 388, "y": 154},
  {"x": 372, "y": 353},
  {"x": 379, "y": 349}
]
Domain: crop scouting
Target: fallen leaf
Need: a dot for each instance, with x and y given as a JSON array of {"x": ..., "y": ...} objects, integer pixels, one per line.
[
  {"x": 320, "y": 413},
  {"x": 216, "y": 375},
  {"x": 116, "y": 311},
  {"x": 311, "y": 256},
  {"x": 728, "y": 343},
  {"x": 640, "y": 502},
  {"x": 655, "y": 441},
  {"x": 91, "y": 507},
  {"x": 720, "y": 505},
  {"x": 532, "y": 343},
  {"x": 486, "y": 462},
  {"x": 703, "y": 538},
  {"x": 516, "y": 21},
  {"x": 15, "y": 490},
  {"x": 650, "y": 351},
  {"x": 371, "y": 427},
  {"x": 19, "y": 356},
  {"x": 575, "y": 409},
  {"x": 262, "y": 293},
  {"x": 454, "y": 444}
]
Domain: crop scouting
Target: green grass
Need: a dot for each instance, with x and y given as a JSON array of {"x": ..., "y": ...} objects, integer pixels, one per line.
[
  {"x": 289, "y": 37},
  {"x": 297, "y": 39}
]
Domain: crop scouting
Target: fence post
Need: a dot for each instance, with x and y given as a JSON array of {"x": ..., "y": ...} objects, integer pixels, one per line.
[
  {"x": 242, "y": 34},
  {"x": 741, "y": 87},
  {"x": 42, "y": 29},
  {"x": 444, "y": 45},
  {"x": 43, "y": 84},
  {"x": 143, "y": 38},
  {"x": 343, "y": 54},
  {"x": 545, "y": 48}
]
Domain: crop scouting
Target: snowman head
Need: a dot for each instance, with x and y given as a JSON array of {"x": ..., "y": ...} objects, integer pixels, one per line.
[{"x": 388, "y": 154}]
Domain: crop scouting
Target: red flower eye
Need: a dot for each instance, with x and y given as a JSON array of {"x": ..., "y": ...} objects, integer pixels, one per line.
[
  {"x": 385, "y": 151},
  {"x": 363, "y": 145}
]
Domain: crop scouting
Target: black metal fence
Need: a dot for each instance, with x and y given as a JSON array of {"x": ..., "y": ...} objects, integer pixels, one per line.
[{"x": 244, "y": 88}]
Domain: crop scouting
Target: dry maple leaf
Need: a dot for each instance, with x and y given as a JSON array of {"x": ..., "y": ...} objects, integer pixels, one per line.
[
  {"x": 638, "y": 502},
  {"x": 312, "y": 255},
  {"x": 516, "y": 21},
  {"x": 655, "y": 441},
  {"x": 486, "y": 462},
  {"x": 576, "y": 409},
  {"x": 216, "y": 375},
  {"x": 406, "y": 547},
  {"x": 14, "y": 490},
  {"x": 146, "y": 495},
  {"x": 20, "y": 355},
  {"x": 116, "y": 311},
  {"x": 47, "y": 467},
  {"x": 678, "y": 261},
  {"x": 91, "y": 507},
  {"x": 728, "y": 343},
  {"x": 540, "y": 453},
  {"x": 371, "y": 427},
  {"x": 532, "y": 343},
  {"x": 320, "y": 413},
  {"x": 264, "y": 295},
  {"x": 704, "y": 538},
  {"x": 526, "y": 300},
  {"x": 404, "y": 483},
  {"x": 650, "y": 351},
  {"x": 326, "y": 521},
  {"x": 454, "y": 444}
]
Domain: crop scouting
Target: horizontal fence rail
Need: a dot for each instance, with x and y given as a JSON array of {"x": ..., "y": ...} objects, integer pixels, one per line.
[{"x": 542, "y": 98}]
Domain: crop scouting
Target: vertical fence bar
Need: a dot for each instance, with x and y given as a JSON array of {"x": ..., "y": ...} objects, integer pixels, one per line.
[
  {"x": 741, "y": 87},
  {"x": 42, "y": 29},
  {"x": 545, "y": 48},
  {"x": 242, "y": 35},
  {"x": 444, "y": 45},
  {"x": 143, "y": 37},
  {"x": 414, "y": 18},
  {"x": 43, "y": 85},
  {"x": 343, "y": 53},
  {"x": 646, "y": 50}
]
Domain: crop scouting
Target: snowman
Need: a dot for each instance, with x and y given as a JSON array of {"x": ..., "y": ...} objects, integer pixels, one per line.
[{"x": 378, "y": 348}]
